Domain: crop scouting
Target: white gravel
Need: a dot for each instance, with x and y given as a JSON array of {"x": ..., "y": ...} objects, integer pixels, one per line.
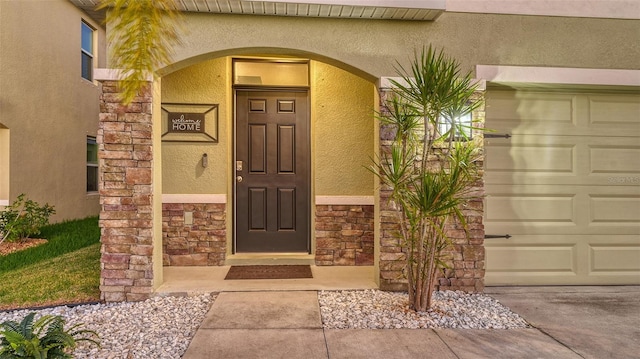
[
  {"x": 375, "y": 309},
  {"x": 162, "y": 327}
]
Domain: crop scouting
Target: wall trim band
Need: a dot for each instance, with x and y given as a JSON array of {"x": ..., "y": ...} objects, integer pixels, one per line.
[
  {"x": 344, "y": 200},
  {"x": 558, "y": 75},
  {"x": 194, "y": 198}
]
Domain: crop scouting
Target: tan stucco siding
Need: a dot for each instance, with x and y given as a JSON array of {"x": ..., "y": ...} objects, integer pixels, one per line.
[
  {"x": 182, "y": 172},
  {"x": 342, "y": 132},
  {"x": 46, "y": 104},
  {"x": 373, "y": 46}
]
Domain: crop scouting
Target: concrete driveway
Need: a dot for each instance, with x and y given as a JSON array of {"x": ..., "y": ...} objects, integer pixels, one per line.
[{"x": 592, "y": 321}]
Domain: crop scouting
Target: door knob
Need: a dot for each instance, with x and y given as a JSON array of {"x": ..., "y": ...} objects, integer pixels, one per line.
[{"x": 239, "y": 179}]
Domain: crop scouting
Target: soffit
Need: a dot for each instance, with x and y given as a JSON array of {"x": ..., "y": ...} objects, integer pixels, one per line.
[{"x": 420, "y": 10}]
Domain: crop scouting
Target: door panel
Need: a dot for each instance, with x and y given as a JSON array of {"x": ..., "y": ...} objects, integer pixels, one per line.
[
  {"x": 286, "y": 150},
  {"x": 257, "y": 209},
  {"x": 272, "y": 199},
  {"x": 258, "y": 149},
  {"x": 286, "y": 208}
]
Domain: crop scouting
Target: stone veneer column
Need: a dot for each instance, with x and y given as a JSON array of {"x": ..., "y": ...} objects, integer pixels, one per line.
[
  {"x": 465, "y": 256},
  {"x": 126, "y": 216}
]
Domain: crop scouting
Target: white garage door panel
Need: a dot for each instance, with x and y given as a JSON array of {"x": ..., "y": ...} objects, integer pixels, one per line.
[
  {"x": 615, "y": 210},
  {"x": 615, "y": 259},
  {"x": 610, "y": 159},
  {"x": 523, "y": 208},
  {"x": 530, "y": 157},
  {"x": 563, "y": 160},
  {"x": 566, "y": 187},
  {"x": 522, "y": 107},
  {"x": 558, "y": 258},
  {"x": 563, "y": 259},
  {"x": 614, "y": 110},
  {"x": 563, "y": 114},
  {"x": 562, "y": 209}
]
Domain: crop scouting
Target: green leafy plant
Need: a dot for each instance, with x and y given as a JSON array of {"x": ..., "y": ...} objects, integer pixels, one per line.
[
  {"x": 142, "y": 34},
  {"x": 430, "y": 173},
  {"x": 46, "y": 338},
  {"x": 23, "y": 219}
]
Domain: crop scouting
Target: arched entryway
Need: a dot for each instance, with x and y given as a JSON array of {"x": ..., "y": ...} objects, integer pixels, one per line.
[
  {"x": 200, "y": 206},
  {"x": 174, "y": 204}
]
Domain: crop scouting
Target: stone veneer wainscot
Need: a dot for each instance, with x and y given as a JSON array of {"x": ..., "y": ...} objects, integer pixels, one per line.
[
  {"x": 202, "y": 243},
  {"x": 344, "y": 235}
]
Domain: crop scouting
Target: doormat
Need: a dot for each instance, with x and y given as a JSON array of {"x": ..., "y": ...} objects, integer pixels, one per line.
[{"x": 269, "y": 272}]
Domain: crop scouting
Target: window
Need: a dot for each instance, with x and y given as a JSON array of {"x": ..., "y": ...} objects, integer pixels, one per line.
[
  {"x": 87, "y": 51},
  {"x": 271, "y": 72},
  {"x": 4, "y": 165},
  {"x": 92, "y": 164},
  {"x": 463, "y": 126}
]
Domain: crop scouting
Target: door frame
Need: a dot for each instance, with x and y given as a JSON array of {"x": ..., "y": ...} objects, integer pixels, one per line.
[{"x": 303, "y": 89}]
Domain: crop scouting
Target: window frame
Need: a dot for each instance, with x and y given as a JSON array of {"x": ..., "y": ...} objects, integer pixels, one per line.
[
  {"x": 467, "y": 130},
  {"x": 85, "y": 53},
  {"x": 92, "y": 165}
]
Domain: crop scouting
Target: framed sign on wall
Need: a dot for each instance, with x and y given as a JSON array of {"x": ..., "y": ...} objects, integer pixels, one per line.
[{"x": 189, "y": 122}]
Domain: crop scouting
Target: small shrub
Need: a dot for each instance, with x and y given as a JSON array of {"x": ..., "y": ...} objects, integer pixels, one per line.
[
  {"x": 23, "y": 218},
  {"x": 45, "y": 338}
]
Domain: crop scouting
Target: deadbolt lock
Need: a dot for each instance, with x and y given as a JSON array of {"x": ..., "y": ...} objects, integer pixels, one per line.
[{"x": 238, "y": 165}]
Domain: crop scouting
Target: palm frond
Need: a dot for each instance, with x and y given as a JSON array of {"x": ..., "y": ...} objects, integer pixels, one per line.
[{"x": 143, "y": 34}]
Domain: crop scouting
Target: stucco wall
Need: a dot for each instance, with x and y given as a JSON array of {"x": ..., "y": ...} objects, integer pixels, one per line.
[
  {"x": 182, "y": 171},
  {"x": 342, "y": 131},
  {"x": 46, "y": 104},
  {"x": 373, "y": 46}
]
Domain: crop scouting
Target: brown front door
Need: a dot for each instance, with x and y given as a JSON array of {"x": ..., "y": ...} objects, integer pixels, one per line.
[{"x": 272, "y": 171}]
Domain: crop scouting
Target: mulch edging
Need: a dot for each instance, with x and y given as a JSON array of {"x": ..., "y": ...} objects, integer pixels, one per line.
[{"x": 12, "y": 247}]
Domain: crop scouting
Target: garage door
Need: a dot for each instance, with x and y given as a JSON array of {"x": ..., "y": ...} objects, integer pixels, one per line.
[{"x": 565, "y": 187}]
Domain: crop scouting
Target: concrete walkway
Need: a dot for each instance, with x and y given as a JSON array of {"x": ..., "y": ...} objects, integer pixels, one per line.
[{"x": 569, "y": 322}]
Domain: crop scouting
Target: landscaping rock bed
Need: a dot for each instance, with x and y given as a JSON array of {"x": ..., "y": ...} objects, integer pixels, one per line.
[
  {"x": 162, "y": 327},
  {"x": 375, "y": 309}
]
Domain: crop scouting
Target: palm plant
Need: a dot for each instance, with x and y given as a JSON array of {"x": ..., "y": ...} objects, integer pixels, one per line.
[
  {"x": 46, "y": 338},
  {"x": 142, "y": 34},
  {"x": 429, "y": 173}
]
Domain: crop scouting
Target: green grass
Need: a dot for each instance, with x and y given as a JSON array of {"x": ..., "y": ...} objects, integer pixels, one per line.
[
  {"x": 64, "y": 270},
  {"x": 69, "y": 278},
  {"x": 62, "y": 238}
]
